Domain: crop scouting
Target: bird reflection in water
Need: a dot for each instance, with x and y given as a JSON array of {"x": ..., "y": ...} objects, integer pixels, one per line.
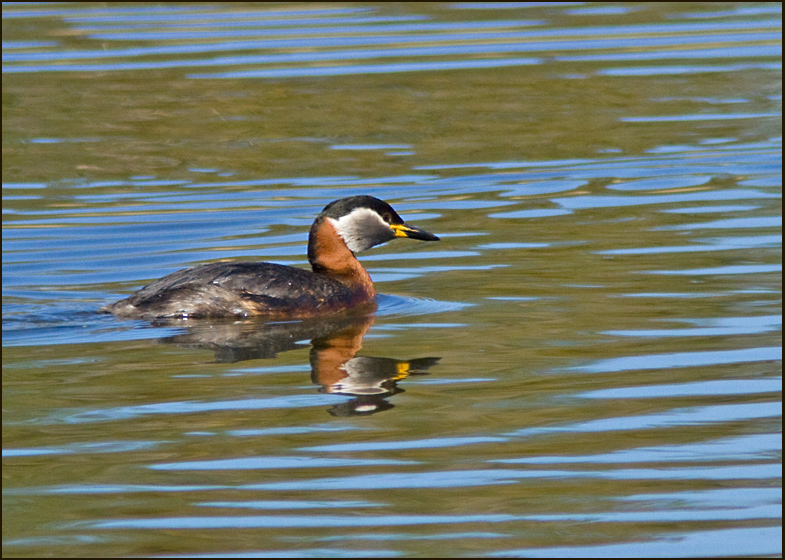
[{"x": 335, "y": 365}]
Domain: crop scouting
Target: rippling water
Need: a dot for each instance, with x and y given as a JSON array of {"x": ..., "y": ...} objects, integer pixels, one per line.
[{"x": 588, "y": 364}]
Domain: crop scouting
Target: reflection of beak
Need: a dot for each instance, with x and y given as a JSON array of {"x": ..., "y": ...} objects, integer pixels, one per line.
[{"x": 402, "y": 230}]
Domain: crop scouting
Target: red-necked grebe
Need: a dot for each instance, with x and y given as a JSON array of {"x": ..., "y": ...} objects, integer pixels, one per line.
[{"x": 336, "y": 282}]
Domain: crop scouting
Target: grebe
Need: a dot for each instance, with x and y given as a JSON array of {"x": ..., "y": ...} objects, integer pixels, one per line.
[{"x": 337, "y": 281}]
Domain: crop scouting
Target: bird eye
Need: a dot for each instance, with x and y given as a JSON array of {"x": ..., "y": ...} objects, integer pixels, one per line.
[{"x": 387, "y": 217}]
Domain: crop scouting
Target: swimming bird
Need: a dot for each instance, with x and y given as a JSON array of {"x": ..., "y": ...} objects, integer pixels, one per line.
[{"x": 336, "y": 282}]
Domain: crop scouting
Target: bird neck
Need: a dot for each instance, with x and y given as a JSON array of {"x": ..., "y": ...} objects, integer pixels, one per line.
[{"x": 329, "y": 255}]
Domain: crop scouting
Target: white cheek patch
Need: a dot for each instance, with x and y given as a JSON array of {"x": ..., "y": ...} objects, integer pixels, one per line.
[{"x": 361, "y": 229}]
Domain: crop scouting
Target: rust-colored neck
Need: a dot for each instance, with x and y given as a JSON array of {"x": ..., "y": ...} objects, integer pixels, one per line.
[{"x": 329, "y": 255}]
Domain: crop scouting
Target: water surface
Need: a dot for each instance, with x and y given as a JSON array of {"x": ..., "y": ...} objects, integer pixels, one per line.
[{"x": 588, "y": 364}]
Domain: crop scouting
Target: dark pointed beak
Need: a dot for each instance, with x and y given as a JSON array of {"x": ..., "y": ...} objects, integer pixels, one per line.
[{"x": 402, "y": 230}]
